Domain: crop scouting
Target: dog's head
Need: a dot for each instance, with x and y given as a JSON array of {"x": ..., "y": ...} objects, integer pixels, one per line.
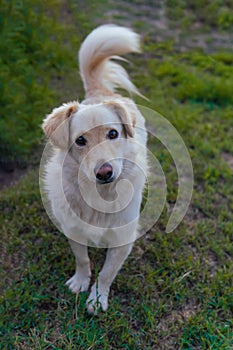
[{"x": 96, "y": 136}]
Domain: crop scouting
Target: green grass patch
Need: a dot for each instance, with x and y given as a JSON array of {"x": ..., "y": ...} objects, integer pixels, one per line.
[
  {"x": 31, "y": 53},
  {"x": 174, "y": 288},
  {"x": 209, "y": 14},
  {"x": 38, "y": 49}
]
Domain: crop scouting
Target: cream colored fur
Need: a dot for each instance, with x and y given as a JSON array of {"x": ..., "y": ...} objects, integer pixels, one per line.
[{"x": 90, "y": 213}]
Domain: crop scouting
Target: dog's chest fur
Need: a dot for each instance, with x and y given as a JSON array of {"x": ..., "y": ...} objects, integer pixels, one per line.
[{"x": 75, "y": 209}]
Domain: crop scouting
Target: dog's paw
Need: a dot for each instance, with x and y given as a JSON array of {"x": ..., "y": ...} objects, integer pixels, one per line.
[
  {"x": 77, "y": 283},
  {"x": 98, "y": 299}
]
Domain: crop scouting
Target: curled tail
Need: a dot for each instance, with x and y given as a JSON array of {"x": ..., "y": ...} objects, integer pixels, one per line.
[{"x": 97, "y": 56}]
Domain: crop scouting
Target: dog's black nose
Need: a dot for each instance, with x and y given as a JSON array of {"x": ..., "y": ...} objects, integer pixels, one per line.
[{"x": 104, "y": 173}]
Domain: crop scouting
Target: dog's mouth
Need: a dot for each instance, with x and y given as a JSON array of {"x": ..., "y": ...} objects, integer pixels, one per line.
[{"x": 105, "y": 181}]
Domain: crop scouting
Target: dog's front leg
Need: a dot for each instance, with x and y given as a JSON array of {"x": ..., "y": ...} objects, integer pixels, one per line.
[
  {"x": 100, "y": 290},
  {"x": 81, "y": 279}
]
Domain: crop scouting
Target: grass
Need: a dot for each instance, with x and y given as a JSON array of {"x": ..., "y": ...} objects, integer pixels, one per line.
[
  {"x": 36, "y": 55},
  {"x": 175, "y": 290},
  {"x": 214, "y": 14}
]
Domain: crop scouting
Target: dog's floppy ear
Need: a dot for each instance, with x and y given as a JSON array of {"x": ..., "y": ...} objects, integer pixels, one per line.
[
  {"x": 123, "y": 111},
  {"x": 56, "y": 124}
]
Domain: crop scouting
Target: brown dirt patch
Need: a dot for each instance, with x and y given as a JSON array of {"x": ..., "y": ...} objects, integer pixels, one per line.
[
  {"x": 7, "y": 178},
  {"x": 228, "y": 158}
]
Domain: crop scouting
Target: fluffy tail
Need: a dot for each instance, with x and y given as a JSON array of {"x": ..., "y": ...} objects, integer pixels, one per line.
[{"x": 98, "y": 70}]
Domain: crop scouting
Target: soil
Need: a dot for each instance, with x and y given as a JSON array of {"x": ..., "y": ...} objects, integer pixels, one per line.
[
  {"x": 152, "y": 18},
  {"x": 8, "y": 177},
  {"x": 228, "y": 158}
]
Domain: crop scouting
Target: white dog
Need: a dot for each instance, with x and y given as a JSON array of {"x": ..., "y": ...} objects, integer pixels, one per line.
[{"x": 96, "y": 175}]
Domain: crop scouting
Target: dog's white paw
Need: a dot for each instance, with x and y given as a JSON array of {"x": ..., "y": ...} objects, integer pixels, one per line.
[
  {"x": 98, "y": 299},
  {"x": 78, "y": 283}
]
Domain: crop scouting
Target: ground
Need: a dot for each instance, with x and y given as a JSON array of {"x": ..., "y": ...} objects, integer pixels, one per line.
[{"x": 175, "y": 290}]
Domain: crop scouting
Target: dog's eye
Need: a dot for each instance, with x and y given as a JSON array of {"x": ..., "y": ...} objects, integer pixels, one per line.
[
  {"x": 112, "y": 134},
  {"x": 81, "y": 141}
]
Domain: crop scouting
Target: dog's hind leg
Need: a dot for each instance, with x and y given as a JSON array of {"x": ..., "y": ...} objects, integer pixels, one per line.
[
  {"x": 81, "y": 279},
  {"x": 115, "y": 258}
]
